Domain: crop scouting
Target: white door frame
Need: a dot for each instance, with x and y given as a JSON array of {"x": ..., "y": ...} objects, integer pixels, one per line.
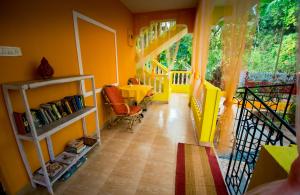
[{"x": 77, "y": 15}]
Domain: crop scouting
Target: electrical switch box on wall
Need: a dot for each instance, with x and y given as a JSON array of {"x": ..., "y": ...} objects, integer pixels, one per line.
[{"x": 10, "y": 51}]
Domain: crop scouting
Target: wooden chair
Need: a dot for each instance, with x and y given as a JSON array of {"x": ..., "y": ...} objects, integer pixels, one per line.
[
  {"x": 133, "y": 81},
  {"x": 120, "y": 109}
]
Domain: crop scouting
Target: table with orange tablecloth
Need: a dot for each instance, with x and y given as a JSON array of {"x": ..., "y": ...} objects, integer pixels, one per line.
[{"x": 137, "y": 92}]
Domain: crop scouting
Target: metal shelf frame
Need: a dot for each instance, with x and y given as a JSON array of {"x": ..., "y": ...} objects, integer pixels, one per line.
[{"x": 46, "y": 131}]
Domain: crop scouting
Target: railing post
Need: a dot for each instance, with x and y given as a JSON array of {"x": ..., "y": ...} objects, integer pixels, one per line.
[
  {"x": 173, "y": 78},
  {"x": 142, "y": 42},
  {"x": 160, "y": 84},
  {"x": 288, "y": 101},
  {"x": 154, "y": 84},
  {"x": 237, "y": 128},
  {"x": 147, "y": 37},
  {"x": 155, "y": 31},
  {"x": 144, "y": 77},
  {"x": 160, "y": 29},
  {"x": 180, "y": 78}
]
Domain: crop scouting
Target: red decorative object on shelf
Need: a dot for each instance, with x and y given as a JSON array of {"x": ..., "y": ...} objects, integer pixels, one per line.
[{"x": 45, "y": 70}]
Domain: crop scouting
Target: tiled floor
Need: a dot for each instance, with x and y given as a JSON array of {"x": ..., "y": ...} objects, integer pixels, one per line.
[{"x": 142, "y": 162}]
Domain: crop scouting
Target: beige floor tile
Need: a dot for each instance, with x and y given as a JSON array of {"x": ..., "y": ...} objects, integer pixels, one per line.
[
  {"x": 115, "y": 146},
  {"x": 152, "y": 189},
  {"x": 116, "y": 184},
  {"x": 138, "y": 150},
  {"x": 157, "y": 155}
]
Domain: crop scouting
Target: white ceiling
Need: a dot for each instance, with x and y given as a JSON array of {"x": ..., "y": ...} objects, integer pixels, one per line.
[{"x": 140, "y": 6}]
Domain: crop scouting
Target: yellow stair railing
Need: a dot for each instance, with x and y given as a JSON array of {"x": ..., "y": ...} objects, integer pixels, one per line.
[
  {"x": 154, "y": 39},
  {"x": 205, "y": 111},
  {"x": 159, "y": 82},
  {"x": 151, "y": 41},
  {"x": 180, "y": 81}
]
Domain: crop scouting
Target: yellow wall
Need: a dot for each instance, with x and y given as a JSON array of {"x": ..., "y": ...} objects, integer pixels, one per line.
[{"x": 45, "y": 28}]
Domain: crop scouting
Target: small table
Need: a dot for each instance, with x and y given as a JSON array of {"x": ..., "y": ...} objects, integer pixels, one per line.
[{"x": 137, "y": 92}]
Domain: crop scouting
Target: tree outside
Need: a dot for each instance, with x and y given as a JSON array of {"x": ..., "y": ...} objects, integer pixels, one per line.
[{"x": 274, "y": 46}]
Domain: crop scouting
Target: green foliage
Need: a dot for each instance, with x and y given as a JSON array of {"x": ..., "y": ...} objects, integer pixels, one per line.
[
  {"x": 276, "y": 18},
  {"x": 215, "y": 51},
  {"x": 183, "y": 58},
  {"x": 184, "y": 55},
  {"x": 163, "y": 58},
  {"x": 278, "y": 14},
  {"x": 291, "y": 114}
]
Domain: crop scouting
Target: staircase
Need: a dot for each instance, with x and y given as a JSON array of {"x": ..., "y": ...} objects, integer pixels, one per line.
[
  {"x": 151, "y": 41},
  {"x": 156, "y": 75}
]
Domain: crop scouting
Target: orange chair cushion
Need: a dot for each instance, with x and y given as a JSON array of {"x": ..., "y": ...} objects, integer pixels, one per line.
[
  {"x": 134, "y": 109},
  {"x": 115, "y": 97}
]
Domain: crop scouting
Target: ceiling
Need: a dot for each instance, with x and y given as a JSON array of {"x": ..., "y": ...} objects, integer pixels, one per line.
[{"x": 141, "y": 6}]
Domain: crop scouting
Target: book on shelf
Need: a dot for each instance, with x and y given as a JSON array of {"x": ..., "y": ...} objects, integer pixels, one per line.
[
  {"x": 75, "y": 146},
  {"x": 55, "y": 110},
  {"x": 89, "y": 140},
  {"x": 45, "y": 118},
  {"x": 78, "y": 102},
  {"x": 53, "y": 168},
  {"x": 70, "y": 103},
  {"x": 40, "y": 116},
  {"x": 67, "y": 106},
  {"x": 61, "y": 108},
  {"x": 20, "y": 123},
  {"x": 36, "y": 119},
  {"x": 25, "y": 122},
  {"x": 66, "y": 158},
  {"x": 74, "y": 103},
  {"x": 75, "y": 143},
  {"x": 47, "y": 115},
  {"x": 75, "y": 150},
  {"x": 73, "y": 168},
  {"x": 82, "y": 101},
  {"x": 48, "y": 109},
  {"x": 49, "y": 112}
]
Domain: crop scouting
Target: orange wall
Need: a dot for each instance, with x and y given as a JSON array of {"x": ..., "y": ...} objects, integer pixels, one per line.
[
  {"x": 182, "y": 16},
  {"x": 45, "y": 28}
]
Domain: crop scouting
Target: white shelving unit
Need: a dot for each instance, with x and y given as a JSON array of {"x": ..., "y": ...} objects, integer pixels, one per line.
[{"x": 45, "y": 132}]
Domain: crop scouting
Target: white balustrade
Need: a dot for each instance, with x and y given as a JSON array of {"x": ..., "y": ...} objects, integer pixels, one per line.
[
  {"x": 151, "y": 33},
  {"x": 180, "y": 77}
]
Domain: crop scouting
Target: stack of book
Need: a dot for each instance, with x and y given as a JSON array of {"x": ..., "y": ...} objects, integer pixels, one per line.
[
  {"x": 50, "y": 112},
  {"x": 69, "y": 157},
  {"x": 75, "y": 146},
  {"x": 53, "y": 169},
  {"x": 66, "y": 158}
]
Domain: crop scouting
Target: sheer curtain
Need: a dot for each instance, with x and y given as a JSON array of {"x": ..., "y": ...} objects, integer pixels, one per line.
[
  {"x": 234, "y": 39},
  {"x": 201, "y": 36}
]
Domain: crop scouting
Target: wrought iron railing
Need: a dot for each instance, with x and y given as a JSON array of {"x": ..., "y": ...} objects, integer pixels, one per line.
[{"x": 260, "y": 120}]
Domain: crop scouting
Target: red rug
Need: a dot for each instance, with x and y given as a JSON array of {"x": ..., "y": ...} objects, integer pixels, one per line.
[{"x": 198, "y": 171}]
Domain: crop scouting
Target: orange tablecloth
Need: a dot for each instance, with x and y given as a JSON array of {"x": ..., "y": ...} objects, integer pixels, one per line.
[{"x": 137, "y": 92}]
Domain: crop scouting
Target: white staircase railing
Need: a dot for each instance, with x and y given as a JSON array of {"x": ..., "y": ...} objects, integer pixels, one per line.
[
  {"x": 151, "y": 33},
  {"x": 180, "y": 77}
]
